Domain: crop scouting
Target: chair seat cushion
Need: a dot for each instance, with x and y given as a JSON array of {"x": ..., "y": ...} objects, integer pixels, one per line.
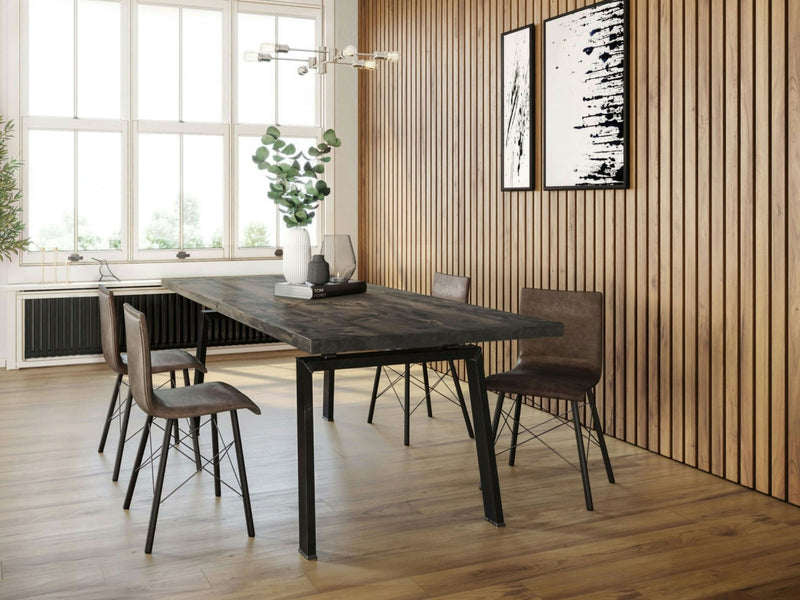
[
  {"x": 199, "y": 400},
  {"x": 164, "y": 361},
  {"x": 544, "y": 383}
]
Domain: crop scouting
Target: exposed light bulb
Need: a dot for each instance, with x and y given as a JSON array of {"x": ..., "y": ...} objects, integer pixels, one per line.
[
  {"x": 268, "y": 48},
  {"x": 349, "y": 51},
  {"x": 251, "y": 56},
  {"x": 393, "y": 56},
  {"x": 357, "y": 64},
  {"x": 380, "y": 55},
  {"x": 302, "y": 70},
  {"x": 370, "y": 65}
]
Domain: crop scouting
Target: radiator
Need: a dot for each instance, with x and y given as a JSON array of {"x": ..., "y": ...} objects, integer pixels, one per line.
[{"x": 70, "y": 326}]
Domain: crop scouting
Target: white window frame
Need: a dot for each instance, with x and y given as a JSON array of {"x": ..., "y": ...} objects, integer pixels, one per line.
[
  {"x": 183, "y": 128},
  {"x": 40, "y": 123},
  {"x": 130, "y": 128},
  {"x": 258, "y": 129}
]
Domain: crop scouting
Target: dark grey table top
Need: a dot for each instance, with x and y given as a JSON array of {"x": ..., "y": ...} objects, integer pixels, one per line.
[{"x": 381, "y": 319}]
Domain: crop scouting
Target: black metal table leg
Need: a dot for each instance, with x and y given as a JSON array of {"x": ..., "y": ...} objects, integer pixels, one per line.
[
  {"x": 305, "y": 460},
  {"x": 327, "y": 396},
  {"x": 490, "y": 486}
]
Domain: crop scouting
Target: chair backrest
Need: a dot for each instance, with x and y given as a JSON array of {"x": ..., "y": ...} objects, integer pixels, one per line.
[
  {"x": 140, "y": 376},
  {"x": 108, "y": 329},
  {"x": 450, "y": 287},
  {"x": 581, "y": 347}
]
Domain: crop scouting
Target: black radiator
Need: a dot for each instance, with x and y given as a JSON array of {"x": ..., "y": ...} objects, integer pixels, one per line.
[{"x": 71, "y": 326}]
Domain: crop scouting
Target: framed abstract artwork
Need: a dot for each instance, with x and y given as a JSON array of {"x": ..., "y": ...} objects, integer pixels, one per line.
[
  {"x": 517, "y": 109},
  {"x": 585, "y": 124}
]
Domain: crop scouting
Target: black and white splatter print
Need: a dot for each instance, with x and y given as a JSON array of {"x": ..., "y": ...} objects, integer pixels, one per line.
[
  {"x": 585, "y": 98},
  {"x": 517, "y": 109}
]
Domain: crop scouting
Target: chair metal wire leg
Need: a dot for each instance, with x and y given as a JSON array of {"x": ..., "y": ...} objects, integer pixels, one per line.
[
  {"x": 194, "y": 427},
  {"x": 237, "y": 441},
  {"x": 601, "y": 440},
  {"x": 138, "y": 462},
  {"x": 123, "y": 432},
  {"x": 374, "y": 394},
  {"x": 427, "y": 388},
  {"x": 215, "y": 450},
  {"x": 498, "y": 410},
  {"x": 162, "y": 467},
  {"x": 512, "y": 453},
  {"x": 407, "y": 406},
  {"x": 112, "y": 406},
  {"x": 460, "y": 395},
  {"x": 587, "y": 490}
]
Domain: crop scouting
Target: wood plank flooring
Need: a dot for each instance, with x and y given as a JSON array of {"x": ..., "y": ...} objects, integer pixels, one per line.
[{"x": 392, "y": 522}]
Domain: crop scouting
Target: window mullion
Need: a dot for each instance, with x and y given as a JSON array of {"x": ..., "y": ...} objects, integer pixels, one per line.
[
  {"x": 75, "y": 59},
  {"x": 74, "y": 192},
  {"x": 180, "y": 192}
]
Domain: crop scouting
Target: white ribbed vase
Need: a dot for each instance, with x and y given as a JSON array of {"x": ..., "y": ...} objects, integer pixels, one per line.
[{"x": 296, "y": 254}]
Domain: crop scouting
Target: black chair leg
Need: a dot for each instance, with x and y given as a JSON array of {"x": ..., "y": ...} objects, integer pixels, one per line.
[
  {"x": 427, "y": 388},
  {"x": 123, "y": 433},
  {"x": 186, "y": 381},
  {"x": 215, "y": 451},
  {"x": 407, "y": 406},
  {"x": 374, "y": 394},
  {"x": 601, "y": 440},
  {"x": 110, "y": 414},
  {"x": 512, "y": 453},
  {"x": 138, "y": 462},
  {"x": 173, "y": 383},
  {"x": 498, "y": 410},
  {"x": 194, "y": 427},
  {"x": 460, "y": 395},
  {"x": 237, "y": 442},
  {"x": 587, "y": 490},
  {"x": 162, "y": 467}
]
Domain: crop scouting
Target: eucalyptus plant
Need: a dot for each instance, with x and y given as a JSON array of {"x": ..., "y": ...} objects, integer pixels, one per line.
[
  {"x": 296, "y": 185},
  {"x": 11, "y": 225}
]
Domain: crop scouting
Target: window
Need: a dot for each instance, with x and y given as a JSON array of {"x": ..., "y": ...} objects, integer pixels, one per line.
[{"x": 137, "y": 131}]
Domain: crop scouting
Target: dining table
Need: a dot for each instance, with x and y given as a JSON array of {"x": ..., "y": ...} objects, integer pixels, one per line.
[{"x": 383, "y": 326}]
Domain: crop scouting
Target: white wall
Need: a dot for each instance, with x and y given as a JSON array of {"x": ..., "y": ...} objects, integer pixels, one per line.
[{"x": 341, "y": 214}]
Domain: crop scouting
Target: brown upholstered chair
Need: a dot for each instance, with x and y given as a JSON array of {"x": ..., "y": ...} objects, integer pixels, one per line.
[
  {"x": 163, "y": 361},
  {"x": 448, "y": 287},
  {"x": 190, "y": 402},
  {"x": 564, "y": 368}
]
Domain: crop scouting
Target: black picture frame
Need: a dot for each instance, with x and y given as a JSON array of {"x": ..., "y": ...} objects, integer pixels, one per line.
[
  {"x": 585, "y": 123},
  {"x": 517, "y": 116}
]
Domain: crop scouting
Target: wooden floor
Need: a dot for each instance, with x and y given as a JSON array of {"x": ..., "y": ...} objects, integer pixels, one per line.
[{"x": 392, "y": 522}]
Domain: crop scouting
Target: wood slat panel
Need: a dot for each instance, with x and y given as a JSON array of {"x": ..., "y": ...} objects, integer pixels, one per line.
[{"x": 698, "y": 261}]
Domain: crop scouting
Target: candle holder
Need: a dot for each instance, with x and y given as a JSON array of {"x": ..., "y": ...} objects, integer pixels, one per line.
[{"x": 338, "y": 252}]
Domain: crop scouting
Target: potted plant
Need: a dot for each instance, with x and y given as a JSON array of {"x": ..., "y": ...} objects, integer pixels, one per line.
[
  {"x": 297, "y": 187},
  {"x": 11, "y": 225}
]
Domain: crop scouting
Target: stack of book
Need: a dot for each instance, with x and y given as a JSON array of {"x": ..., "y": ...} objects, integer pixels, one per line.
[{"x": 326, "y": 290}]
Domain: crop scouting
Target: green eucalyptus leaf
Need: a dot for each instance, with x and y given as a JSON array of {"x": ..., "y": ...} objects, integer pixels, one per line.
[
  {"x": 319, "y": 169},
  {"x": 321, "y": 185},
  {"x": 323, "y": 148},
  {"x": 279, "y": 144},
  {"x": 290, "y": 149},
  {"x": 324, "y": 159},
  {"x": 273, "y": 131},
  {"x": 312, "y": 151},
  {"x": 267, "y": 139},
  {"x": 330, "y": 137},
  {"x": 262, "y": 153}
]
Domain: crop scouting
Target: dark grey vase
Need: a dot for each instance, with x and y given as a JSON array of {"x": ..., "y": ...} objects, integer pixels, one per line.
[{"x": 318, "y": 270}]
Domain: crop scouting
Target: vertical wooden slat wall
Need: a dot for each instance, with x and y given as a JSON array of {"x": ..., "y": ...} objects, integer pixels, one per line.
[{"x": 699, "y": 260}]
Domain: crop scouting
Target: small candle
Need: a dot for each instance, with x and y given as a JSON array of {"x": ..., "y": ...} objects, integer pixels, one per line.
[{"x": 337, "y": 278}]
